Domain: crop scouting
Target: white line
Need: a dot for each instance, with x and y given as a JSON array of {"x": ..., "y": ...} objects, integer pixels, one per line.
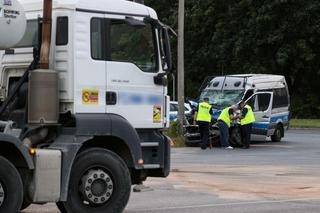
[{"x": 224, "y": 204}]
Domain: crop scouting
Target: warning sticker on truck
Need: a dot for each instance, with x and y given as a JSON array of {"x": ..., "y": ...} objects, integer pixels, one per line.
[
  {"x": 156, "y": 114},
  {"x": 90, "y": 97}
]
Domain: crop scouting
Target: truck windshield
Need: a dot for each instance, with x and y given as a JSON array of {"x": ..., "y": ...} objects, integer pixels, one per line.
[{"x": 221, "y": 99}]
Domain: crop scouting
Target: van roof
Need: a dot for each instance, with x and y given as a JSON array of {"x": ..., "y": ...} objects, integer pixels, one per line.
[
  {"x": 247, "y": 80},
  {"x": 260, "y": 77},
  {"x": 112, "y": 6}
]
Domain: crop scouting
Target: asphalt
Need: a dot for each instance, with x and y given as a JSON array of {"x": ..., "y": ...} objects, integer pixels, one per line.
[{"x": 270, "y": 177}]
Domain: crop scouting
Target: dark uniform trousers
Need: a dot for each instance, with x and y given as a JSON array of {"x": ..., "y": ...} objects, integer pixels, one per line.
[
  {"x": 246, "y": 132},
  {"x": 204, "y": 132}
]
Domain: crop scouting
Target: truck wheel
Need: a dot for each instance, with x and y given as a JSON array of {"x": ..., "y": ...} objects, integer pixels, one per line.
[
  {"x": 25, "y": 204},
  {"x": 26, "y": 179},
  {"x": 277, "y": 135},
  {"x": 236, "y": 137},
  {"x": 61, "y": 207},
  {"x": 11, "y": 188},
  {"x": 100, "y": 182}
]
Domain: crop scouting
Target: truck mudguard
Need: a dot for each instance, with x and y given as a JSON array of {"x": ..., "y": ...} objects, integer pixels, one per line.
[
  {"x": 110, "y": 125},
  {"x": 8, "y": 139},
  {"x": 89, "y": 126}
]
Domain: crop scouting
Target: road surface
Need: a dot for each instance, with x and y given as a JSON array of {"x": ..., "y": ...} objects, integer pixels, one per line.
[{"x": 270, "y": 177}]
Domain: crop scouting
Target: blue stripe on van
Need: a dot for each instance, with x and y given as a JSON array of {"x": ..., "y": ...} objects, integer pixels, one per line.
[
  {"x": 260, "y": 125},
  {"x": 265, "y": 125},
  {"x": 283, "y": 118}
]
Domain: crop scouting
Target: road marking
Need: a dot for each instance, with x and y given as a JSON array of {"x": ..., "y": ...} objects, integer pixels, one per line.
[{"x": 224, "y": 204}]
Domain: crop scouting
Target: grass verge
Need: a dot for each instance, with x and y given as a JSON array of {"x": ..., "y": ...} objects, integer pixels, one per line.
[
  {"x": 173, "y": 133},
  {"x": 305, "y": 123},
  {"x": 178, "y": 141}
]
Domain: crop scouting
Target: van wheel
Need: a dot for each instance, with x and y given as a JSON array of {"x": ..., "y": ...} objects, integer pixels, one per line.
[
  {"x": 11, "y": 188},
  {"x": 236, "y": 137},
  {"x": 277, "y": 135},
  {"x": 100, "y": 182}
]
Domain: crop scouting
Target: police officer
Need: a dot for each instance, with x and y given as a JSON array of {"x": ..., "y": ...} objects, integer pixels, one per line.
[
  {"x": 203, "y": 119},
  {"x": 224, "y": 123},
  {"x": 246, "y": 120}
]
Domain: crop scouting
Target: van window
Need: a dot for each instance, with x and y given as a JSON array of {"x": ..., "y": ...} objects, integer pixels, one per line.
[
  {"x": 30, "y": 38},
  {"x": 260, "y": 102},
  {"x": 263, "y": 102},
  {"x": 251, "y": 102},
  {"x": 62, "y": 31},
  {"x": 248, "y": 94},
  {"x": 280, "y": 98},
  {"x": 133, "y": 44}
]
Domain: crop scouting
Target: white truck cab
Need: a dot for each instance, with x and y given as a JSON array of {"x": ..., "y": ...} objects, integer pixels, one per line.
[
  {"x": 83, "y": 131},
  {"x": 106, "y": 57}
]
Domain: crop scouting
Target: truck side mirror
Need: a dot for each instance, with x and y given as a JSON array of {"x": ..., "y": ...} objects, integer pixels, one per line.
[{"x": 166, "y": 50}]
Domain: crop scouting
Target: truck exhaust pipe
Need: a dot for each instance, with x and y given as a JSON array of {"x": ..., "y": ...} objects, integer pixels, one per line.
[
  {"x": 43, "y": 90},
  {"x": 46, "y": 34}
]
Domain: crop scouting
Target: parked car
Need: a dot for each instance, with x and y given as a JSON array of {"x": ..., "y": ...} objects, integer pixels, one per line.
[{"x": 174, "y": 110}]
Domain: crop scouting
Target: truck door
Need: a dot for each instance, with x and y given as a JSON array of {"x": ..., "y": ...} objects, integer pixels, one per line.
[
  {"x": 261, "y": 104},
  {"x": 89, "y": 66},
  {"x": 132, "y": 64}
]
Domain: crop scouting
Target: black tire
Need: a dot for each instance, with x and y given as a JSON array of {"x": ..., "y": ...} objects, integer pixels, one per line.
[
  {"x": 277, "y": 135},
  {"x": 87, "y": 189},
  {"x": 215, "y": 137},
  {"x": 61, "y": 207},
  {"x": 11, "y": 187},
  {"x": 25, "y": 204},
  {"x": 26, "y": 179},
  {"x": 236, "y": 137}
]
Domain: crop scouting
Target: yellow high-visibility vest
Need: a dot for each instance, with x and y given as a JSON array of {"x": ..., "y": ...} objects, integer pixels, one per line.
[
  {"x": 249, "y": 118},
  {"x": 225, "y": 117},
  {"x": 204, "y": 112}
]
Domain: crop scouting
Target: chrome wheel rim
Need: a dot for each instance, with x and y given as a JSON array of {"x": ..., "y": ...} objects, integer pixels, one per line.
[
  {"x": 96, "y": 187},
  {"x": 2, "y": 194}
]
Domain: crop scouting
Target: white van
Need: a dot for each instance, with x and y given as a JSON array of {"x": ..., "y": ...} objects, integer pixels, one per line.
[{"x": 268, "y": 96}]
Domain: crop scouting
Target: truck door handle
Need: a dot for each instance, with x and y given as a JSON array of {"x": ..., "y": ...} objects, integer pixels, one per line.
[
  {"x": 265, "y": 116},
  {"x": 111, "y": 98}
]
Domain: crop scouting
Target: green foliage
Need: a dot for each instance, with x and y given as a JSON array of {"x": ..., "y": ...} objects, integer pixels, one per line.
[
  {"x": 179, "y": 142},
  {"x": 173, "y": 130},
  {"x": 173, "y": 133},
  {"x": 305, "y": 123},
  {"x": 252, "y": 36}
]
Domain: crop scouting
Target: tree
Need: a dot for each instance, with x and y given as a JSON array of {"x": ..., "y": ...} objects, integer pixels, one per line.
[{"x": 252, "y": 36}]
